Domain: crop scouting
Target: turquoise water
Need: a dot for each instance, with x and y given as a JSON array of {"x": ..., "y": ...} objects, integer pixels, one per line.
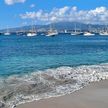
[
  {"x": 34, "y": 68},
  {"x": 20, "y": 55}
]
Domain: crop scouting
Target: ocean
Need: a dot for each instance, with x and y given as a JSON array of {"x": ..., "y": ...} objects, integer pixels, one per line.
[{"x": 33, "y": 68}]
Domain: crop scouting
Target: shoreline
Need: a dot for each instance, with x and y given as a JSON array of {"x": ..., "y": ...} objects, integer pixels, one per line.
[
  {"x": 92, "y": 96},
  {"x": 50, "y": 83}
]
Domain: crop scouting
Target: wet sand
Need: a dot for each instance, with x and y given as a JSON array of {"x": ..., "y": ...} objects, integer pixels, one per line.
[{"x": 94, "y": 95}]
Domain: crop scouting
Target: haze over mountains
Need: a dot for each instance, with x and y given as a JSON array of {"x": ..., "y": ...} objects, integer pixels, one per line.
[{"x": 59, "y": 26}]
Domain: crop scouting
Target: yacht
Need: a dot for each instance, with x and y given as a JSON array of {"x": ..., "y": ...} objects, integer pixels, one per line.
[
  {"x": 7, "y": 33},
  {"x": 76, "y": 33},
  {"x": 103, "y": 33},
  {"x": 31, "y": 34},
  {"x": 52, "y": 33},
  {"x": 33, "y": 31},
  {"x": 88, "y": 34}
]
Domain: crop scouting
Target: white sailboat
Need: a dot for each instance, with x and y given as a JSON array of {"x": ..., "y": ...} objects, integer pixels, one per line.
[
  {"x": 33, "y": 32},
  {"x": 51, "y": 32},
  {"x": 104, "y": 32},
  {"x": 76, "y": 31},
  {"x": 88, "y": 34},
  {"x": 7, "y": 33}
]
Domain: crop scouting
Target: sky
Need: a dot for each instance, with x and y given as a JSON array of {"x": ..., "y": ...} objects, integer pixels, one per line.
[{"x": 15, "y": 13}]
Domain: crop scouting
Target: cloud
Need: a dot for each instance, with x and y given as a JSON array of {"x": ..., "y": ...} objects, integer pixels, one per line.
[
  {"x": 32, "y": 5},
  {"x": 94, "y": 16},
  {"x": 11, "y": 2}
]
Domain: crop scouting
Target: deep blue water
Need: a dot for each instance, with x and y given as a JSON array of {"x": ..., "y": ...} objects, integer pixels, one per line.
[{"x": 20, "y": 54}]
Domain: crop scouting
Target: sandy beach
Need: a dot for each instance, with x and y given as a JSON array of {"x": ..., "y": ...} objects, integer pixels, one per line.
[{"x": 94, "y": 95}]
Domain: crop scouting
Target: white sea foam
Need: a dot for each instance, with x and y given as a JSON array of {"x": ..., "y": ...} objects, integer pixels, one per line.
[{"x": 49, "y": 83}]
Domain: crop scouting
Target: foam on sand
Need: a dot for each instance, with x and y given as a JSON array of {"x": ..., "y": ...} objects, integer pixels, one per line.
[{"x": 48, "y": 83}]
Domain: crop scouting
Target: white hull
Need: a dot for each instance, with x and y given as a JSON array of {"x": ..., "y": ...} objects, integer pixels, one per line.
[
  {"x": 88, "y": 34},
  {"x": 7, "y": 34},
  {"x": 31, "y": 34},
  {"x": 103, "y": 34},
  {"x": 52, "y": 34},
  {"x": 74, "y": 34}
]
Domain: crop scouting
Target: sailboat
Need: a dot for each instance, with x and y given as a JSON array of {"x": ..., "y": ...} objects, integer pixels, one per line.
[
  {"x": 104, "y": 32},
  {"x": 89, "y": 33},
  {"x": 51, "y": 32},
  {"x": 7, "y": 33},
  {"x": 76, "y": 32},
  {"x": 21, "y": 32},
  {"x": 32, "y": 32}
]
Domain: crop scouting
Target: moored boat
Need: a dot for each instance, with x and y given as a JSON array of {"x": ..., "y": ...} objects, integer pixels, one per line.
[
  {"x": 52, "y": 33},
  {"x": 88, "y": 34},
  {"x": 7, "y": 34},
  {"x": 103, "y": 33},
  {"x": 31, "y": 34}
]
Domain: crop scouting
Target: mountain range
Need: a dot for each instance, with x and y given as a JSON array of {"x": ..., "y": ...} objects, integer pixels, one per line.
[{"x": 59, "y": 26}]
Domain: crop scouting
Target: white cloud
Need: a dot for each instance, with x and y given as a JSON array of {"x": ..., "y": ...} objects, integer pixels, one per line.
[
  {"x": 32, "y": 5},
  {"x": 98, "y": 15},
  {"x": 11, "y": 2},
  {"x": 74, "y": 8}
]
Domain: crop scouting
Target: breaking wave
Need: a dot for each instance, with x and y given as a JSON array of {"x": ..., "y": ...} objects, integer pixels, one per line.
[{"x": 18, "y": 89}]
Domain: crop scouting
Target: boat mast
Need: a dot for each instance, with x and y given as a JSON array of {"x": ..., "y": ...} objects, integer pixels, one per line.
[{"x": 75, "y": 27}]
